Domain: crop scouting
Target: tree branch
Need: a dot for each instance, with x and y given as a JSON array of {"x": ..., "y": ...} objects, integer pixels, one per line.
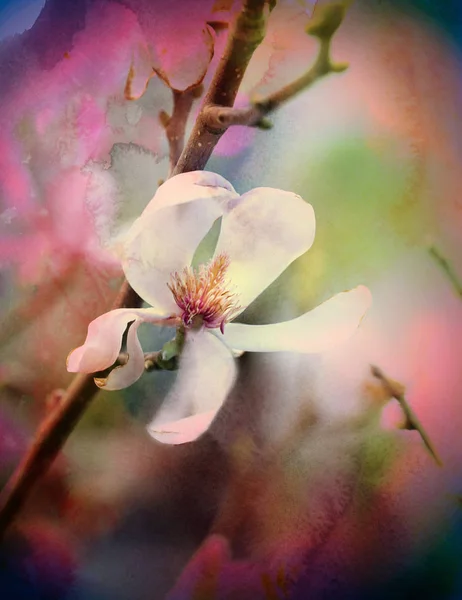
[
  {"x": 254, "y": 116},
  {"x": 53, "y": 432},
  {"x": 247, "y": 34},
  {"x": 175, "y": 125}
]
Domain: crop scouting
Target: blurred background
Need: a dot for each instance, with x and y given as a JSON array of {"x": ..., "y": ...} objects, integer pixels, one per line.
[{"x": 306, "y": 479}]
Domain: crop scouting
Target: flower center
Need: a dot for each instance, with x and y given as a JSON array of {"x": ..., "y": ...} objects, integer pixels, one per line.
[{"x": 203, "y": 295}]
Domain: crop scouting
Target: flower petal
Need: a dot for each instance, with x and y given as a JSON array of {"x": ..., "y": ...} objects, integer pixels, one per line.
[
  {"x": 165, "y": 237},
  {"x": 104, "y": 338},
  {"x": 183, "y": 430},
  {"x": 190, "y": 186},
  {"x": 124, "y": 375},
  {"x": 262, "y": 235},
  {"x": 324, "y": 327},
  {"x": 206, "y": 374}
]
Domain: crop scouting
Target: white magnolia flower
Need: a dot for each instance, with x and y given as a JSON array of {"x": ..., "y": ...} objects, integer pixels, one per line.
[{"x": 262, "y": 232}]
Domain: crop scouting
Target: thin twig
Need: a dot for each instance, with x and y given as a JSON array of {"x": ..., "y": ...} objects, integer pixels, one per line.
[
  {"x": 54, "y": 431},
  {"x": 412, "y": 422},
  {"x": 447, "y": 268}
]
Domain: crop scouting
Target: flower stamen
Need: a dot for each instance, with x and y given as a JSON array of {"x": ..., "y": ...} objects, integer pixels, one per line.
[{"x": 203, "y": 294}]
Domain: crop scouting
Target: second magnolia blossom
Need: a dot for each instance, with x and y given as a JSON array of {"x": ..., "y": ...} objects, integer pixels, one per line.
[{"x": 262, "y": 232}]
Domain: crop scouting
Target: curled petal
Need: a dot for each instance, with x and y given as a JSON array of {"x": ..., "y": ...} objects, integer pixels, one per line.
[
  {"x": 126, "y": 374},
  {"x": 104, "y": 339},
  {"x": 262, "y": 235},
  {"x": 163, "y": 240},
  {"x": 324, "y": 327},
  {"x": 206, "y": 374}
]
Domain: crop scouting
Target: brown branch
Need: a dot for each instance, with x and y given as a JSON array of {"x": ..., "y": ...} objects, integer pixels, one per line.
[
  {"x": 53, "y": 432},
  {"x": 412, "y": 423},
  {"x": 247, "y": 34},
  {"x": 175, "y": 125},
  {"x": 49, "y": 440},
  {"x": 254, "y": 115}
]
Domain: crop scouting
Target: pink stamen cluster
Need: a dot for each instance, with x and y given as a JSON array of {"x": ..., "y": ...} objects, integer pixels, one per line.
[{"x": 202, "y": 294}]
